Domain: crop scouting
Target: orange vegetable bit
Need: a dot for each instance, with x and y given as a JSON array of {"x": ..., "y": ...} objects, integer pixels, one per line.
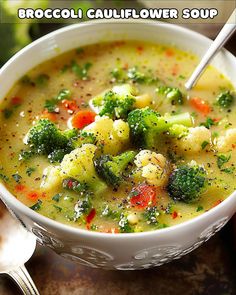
[
  {"x": 33, "y": 195},
  {"x": 200, "y": 105},
  {"x": 169, "y": 52},
  {"x": 50, "y": 116},
  {"x": 143, "y": 196},
  {"x": 69, "y": 105},
  {"x": 113, "y": 230},
  {"x": 174, "y": 215},
  {"x": 20, "y": 187},
  {"x": 82, "y": 119}
]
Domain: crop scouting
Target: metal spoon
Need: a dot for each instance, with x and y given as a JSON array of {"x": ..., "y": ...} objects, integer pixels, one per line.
[
  {"x": 220, "y": 40},
  {"x": 16, "y": 248}
]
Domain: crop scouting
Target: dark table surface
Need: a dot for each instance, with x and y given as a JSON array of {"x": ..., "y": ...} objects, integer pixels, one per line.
[{"x": 209, "y": 270}]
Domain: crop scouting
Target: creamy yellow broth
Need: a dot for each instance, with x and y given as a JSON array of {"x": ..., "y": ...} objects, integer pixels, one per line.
[{"x": 24, "y": 105}]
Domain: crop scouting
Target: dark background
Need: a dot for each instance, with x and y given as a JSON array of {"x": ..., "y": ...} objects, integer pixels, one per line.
[{"x": 209, "y": 270}]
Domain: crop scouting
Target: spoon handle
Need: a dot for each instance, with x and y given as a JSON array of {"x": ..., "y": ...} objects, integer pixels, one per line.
[
  {"x": 24, "y": 281},
  {"x": 220, "y": 40}
]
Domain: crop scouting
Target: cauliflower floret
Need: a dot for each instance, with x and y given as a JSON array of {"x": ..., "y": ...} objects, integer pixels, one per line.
[
  {"x": 192, "y": 142},
  {"x": 51, "y": 177},
  {"x": 113, "y": 135},
  {"x": 79, "y": 165},
  {"x": 153, "y": 167},
  {"x": 225, "y": 143}
]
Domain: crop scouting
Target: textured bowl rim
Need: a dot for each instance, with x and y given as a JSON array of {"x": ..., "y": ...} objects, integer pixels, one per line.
[{"x": 12, "y": 201}]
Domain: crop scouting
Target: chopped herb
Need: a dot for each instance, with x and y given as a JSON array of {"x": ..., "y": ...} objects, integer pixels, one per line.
[
  {"x": 37, "y": 205},
  {"x": 56, "y": 197},
  {"x": 182, "y": 77},
  {"x": 222, "y": 159},
  {"x": 204, "y": 144},
  {"x": 81, "y": 71},
  {"x": 16, "y": 177},
  {"x": 93, "y": 227},
  {"x": 25, "y": 155},
  {"x": 51, "y": 105},
  {"x": 57, "y": 208},
  {"x": 30, "y": 170},
  {"x": 138, "y": 77},
  {"x": 82, "y": 207},
  {"x": 41, "y": 80},
  {"x": 208, "y": 124},
  {"x": 229, "y": 170},
  {"x": 64, "y": 94},
  {"x": 199, "y": 208},
  {"x": 7, "y": 113},
  {"x": 151, "y": 214},
  {"x": 124, "y": 225},
  {"x": 4, "y": 177},
  {"x": 108, "y": 212}
]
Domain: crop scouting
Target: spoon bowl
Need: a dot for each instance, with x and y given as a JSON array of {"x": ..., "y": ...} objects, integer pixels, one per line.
[{"x": 16, "y": 247}]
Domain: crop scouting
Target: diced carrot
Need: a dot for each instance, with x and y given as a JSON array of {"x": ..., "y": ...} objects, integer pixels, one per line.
[
  {"x": 169, "y": 52},
  {"x": 19, "y": 187},
  {"x": 143, "y": 196},
  {"x": 200, "y": 105},
  {"x": 50, "y": 116},
  {"x": 33, "y": 195},
  {"x": 82, "y": 119},
  {"x": 16, "y": 100},
  {"x": 174, "y": 215},
  {"x": 69, "y": 104}
]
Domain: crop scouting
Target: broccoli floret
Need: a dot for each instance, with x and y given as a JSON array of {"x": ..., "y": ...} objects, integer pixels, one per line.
[
  {"x": 111, "y": 169},
  {"x": 174, "y": 95},
  {"x": 225, "y": 99},
  {"x": 58, "y": 154},
  {"x": 186, "y": 183},
  {"x": 145, "y": 124},
  {"x": 79, "y": 165},
  {"x": 82, "y": 138},
  {"x": 115, "y": 103},
  {"x": 45, "y": 137}
]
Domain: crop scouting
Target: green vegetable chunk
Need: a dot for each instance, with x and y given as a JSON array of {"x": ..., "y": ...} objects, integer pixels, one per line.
[
  {"x": 225, "y": 99},
  {"x": 115, "y": 103},
  {"x": 44, "y": 137},
  {"x": 174, "y": 95},
  {"x": 111, "y": 169},
  {"x": 186, "y": 183},
  {"x": 145, "y": 124}
]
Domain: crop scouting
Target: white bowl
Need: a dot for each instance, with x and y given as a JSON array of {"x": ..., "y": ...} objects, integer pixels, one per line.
[{"x": 118, "y": 251}]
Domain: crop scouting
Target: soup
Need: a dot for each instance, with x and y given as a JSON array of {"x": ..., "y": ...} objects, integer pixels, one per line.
[{"x": 106, "y": 138}]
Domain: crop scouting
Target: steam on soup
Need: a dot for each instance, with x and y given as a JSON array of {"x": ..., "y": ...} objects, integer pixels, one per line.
[{"x": 106, "y": 138}]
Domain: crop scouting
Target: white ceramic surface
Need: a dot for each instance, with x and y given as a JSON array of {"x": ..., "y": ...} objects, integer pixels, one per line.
[{"x": 118, "y": 251}]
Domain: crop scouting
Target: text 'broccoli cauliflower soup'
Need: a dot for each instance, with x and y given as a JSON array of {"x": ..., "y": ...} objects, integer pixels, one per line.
[{"x": 106, "y": 138}]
